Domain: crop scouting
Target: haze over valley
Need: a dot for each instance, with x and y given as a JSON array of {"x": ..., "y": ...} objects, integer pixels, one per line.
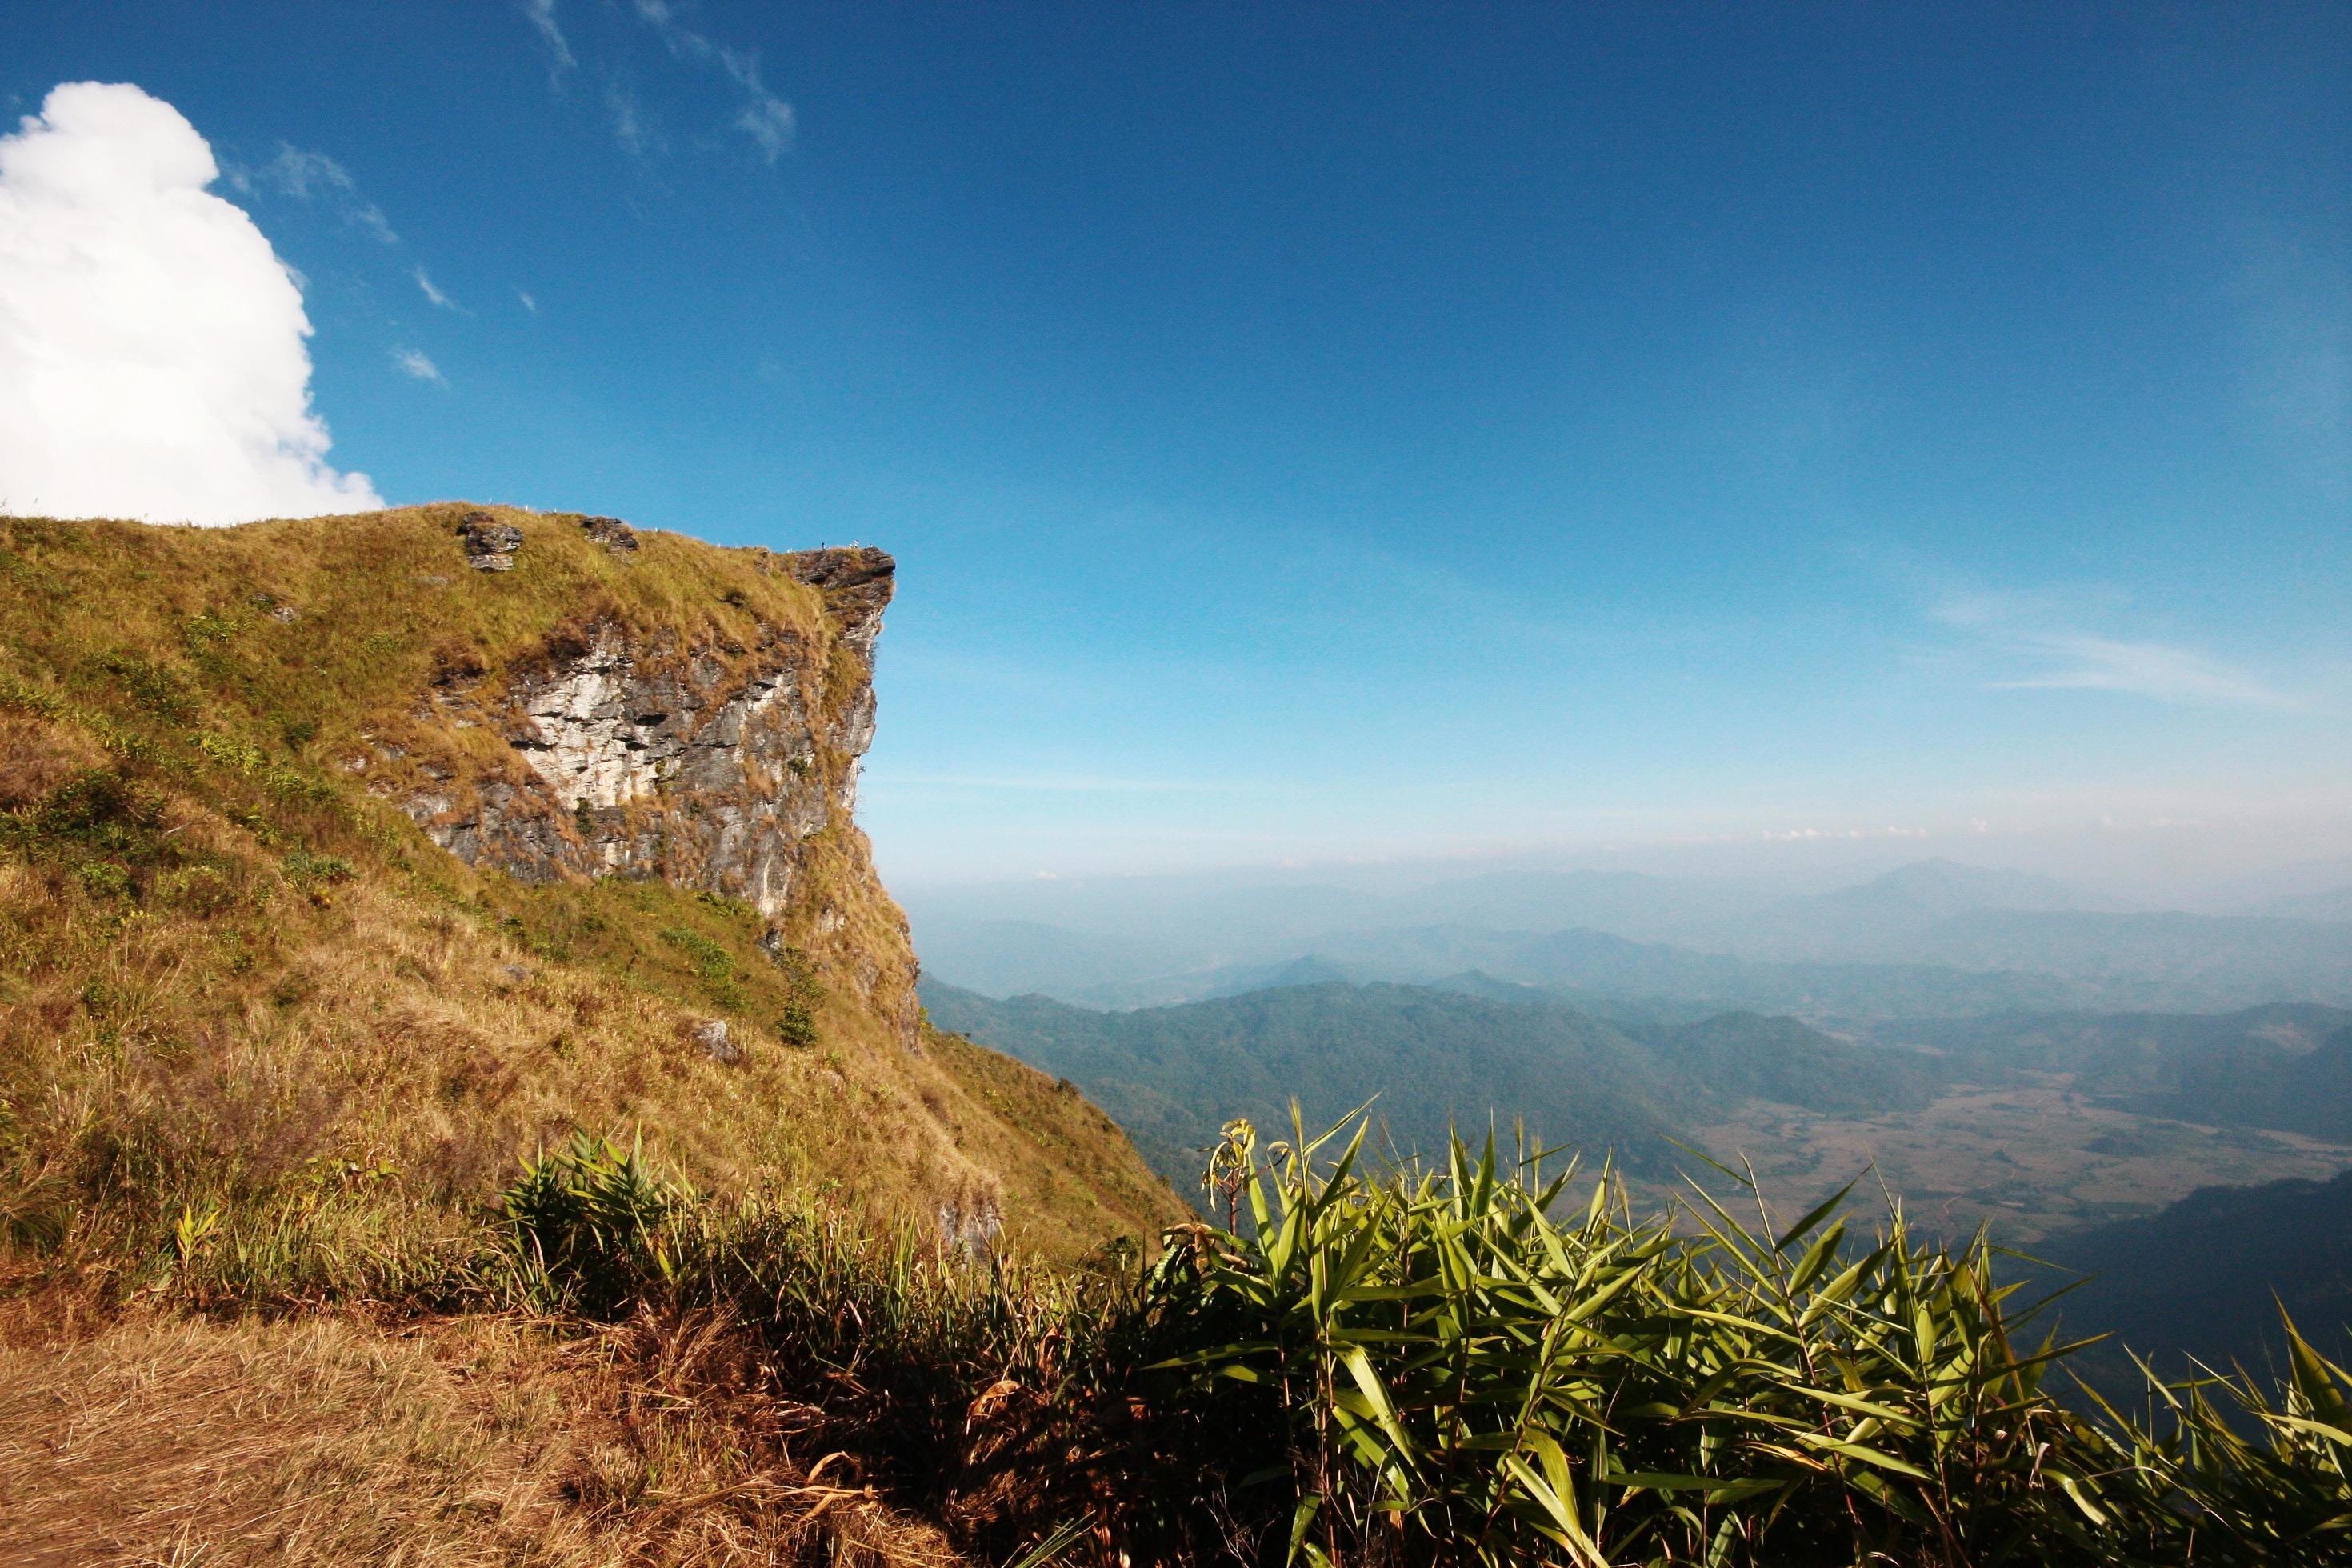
[{"x": 1997, "y": 1048}]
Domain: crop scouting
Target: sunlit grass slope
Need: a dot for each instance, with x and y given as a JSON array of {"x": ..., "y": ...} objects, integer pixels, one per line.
[{"x": 242, "y": 991}]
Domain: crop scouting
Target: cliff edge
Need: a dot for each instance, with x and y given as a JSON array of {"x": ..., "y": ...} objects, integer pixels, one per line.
[{"x": 404, "y": 842}]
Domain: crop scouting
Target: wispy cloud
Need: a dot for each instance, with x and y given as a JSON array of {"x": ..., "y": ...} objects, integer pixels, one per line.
[
  {"x": 763, "y": 117},
  {"x": 2028, "y": 633},
  {"x": 2078, "y": 662},
  {"x": 527, "y": 303},
  {"x": 560, "y": 58},
  {"x": 413, "y": 363},
  {"x": 766, "y": 119},
  {"x": 425, "y": 282},
  {"x": 311, "y": 177},
  {"x": 631, "y": 128},
  {"x": 2296, "y": 369}
]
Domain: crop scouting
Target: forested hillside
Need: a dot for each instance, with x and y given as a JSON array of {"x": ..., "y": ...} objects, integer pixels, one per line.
[{"x": 1433, "y": 1061}]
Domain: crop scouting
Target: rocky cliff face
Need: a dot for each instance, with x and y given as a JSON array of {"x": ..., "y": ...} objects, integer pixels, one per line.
[{"x": 728, "y": 765}]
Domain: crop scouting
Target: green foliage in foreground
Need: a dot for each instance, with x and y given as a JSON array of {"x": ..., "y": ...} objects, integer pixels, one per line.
[{"x": 1427, "y": 1367}]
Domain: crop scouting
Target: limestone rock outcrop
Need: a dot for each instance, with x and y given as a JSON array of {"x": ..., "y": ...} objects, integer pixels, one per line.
[
  {"x": 713, "y": 767},
  {"x": 491, "y": 545}
]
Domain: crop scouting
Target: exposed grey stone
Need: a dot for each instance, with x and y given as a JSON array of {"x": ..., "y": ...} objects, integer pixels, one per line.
[
  {"x": 617, "y": 537},
  {"x": 712, "y": 1036},
  {"x": 710, "y": 768},
  {"x": 491, "y": 545},
  {"x": 857, "y": 583}
]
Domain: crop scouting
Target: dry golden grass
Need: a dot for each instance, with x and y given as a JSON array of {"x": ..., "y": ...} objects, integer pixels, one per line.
[
  {"x": 329, "y": 1440},
  {"x": 261, "y": 1042},
  {"x": 233, "y": 977}
]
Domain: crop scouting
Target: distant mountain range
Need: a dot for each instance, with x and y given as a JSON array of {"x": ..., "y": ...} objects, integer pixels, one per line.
[
  {"x": 1613, "y": 1011},
  {"x": 1932, "y": 938},
  {"x": 1435, "y": 1058}
]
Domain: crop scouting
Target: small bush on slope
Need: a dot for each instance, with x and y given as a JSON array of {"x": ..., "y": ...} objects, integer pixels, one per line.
[{"x": 586, "y": 1222}]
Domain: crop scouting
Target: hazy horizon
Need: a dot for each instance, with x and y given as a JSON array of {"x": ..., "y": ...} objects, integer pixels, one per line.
[{"x": 2150, "y": 870}]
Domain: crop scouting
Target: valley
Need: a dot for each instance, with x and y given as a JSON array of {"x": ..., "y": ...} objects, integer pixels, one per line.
[
  {"x": 1999, "y": 1127},
  {"x": 2030, "y": 1160}
]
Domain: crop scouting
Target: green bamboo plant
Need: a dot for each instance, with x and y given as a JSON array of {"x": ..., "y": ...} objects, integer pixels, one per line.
[{"x": 1468, "y": 1378}]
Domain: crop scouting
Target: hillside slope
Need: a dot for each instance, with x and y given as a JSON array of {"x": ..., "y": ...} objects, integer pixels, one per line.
[
  {"x": 1436, "y": 1059},
  {"x": 346, "y": 859},
  {"x": 2208, "y": 1276}
]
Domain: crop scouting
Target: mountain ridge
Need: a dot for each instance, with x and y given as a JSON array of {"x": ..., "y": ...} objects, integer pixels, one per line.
[
  {"x": 410, "y": 840},
  {"x": 1431, "y": 1060}
]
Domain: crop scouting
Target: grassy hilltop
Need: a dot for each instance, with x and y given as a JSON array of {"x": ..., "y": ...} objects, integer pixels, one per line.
[{"x": 235, "y": 978}]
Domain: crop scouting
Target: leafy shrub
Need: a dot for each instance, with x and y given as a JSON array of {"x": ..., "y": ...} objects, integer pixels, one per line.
[
  {"x": 200, "y": 889},
  {"x": 159, "y": 688},
  {"x": 796, "y": 1025},
  {"x": 35, "y": 1213},
  {"x": 1447, "y": 1372},
  {"x": 305, "y": 868},
  {"x": 1418, "y": 1367},
  {"x": 732, "y": 907},
  {"x": 584, "y": 1222}
]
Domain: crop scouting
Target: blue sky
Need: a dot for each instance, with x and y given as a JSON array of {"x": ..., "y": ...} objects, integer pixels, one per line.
[{"x": 1338, "y": 432}]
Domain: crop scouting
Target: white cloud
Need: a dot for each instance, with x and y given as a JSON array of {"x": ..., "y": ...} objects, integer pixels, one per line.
[
  {"x": 152, "y": 361},
  {"x": 412, "y": 361},
  {"x": 551, "y": 31},
  {"x": 432, "y": 293},
  {"x": 1824, "y": 834},
  {"x": 527, "y": 303}
]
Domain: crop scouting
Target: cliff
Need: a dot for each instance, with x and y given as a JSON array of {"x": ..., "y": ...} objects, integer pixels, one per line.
[
  {"x": 410, "y": 840},
  {"x": 716, "y": 763}
]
